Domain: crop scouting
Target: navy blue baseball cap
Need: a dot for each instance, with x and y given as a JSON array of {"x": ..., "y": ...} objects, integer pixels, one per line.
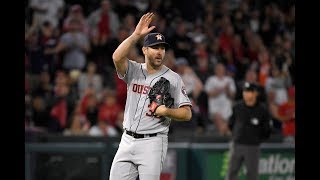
[
  {"x": 152, "y": 39},
  {"x": 249, "y": 87}
]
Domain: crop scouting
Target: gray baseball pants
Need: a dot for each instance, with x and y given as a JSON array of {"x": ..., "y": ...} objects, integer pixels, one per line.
[{"x": 143, "y": 157}]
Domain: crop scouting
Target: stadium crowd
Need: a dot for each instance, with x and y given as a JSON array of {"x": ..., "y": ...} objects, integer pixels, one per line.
[{"x": 71, "y": 86}]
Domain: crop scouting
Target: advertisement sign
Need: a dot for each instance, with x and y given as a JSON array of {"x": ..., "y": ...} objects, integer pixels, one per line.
[{"x": 272, "y": 165}]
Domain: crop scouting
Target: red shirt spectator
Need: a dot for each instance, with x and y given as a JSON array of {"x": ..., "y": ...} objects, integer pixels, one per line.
[
  {"x": 264, "y": 66},
  {"x": 121, "y": 91},
  {"x": 225, "y": 39},
  {"x": 238, "y": 48},
  {"x": 59, "y": 111},
  {"x": 109, "y": 110},
  {"x": 287, "y": 113},
  {"x": 103, "y": 25}
]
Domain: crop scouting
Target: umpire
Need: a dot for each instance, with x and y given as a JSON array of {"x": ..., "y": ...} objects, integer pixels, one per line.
[{"x": 250, "y": 125}]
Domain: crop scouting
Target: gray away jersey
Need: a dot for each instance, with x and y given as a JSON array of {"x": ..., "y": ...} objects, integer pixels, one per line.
[{"x": 137, "y": 117}]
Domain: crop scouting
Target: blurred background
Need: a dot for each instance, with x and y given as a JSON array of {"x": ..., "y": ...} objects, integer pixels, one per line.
[{"x": 74, "y": 100}]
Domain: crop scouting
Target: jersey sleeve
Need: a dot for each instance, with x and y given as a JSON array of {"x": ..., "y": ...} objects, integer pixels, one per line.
[
  {"x": 131, "y": 69},
  {"x": 180, "y": 94}
]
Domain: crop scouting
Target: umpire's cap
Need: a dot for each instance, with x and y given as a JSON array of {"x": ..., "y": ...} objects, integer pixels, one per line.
[
  {"x": 247, "y": 86},
  {"x": 152, "y": 39}
]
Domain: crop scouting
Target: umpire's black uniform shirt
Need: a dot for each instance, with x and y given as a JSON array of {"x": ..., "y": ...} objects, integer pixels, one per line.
[{"x": 250, "y": 125}]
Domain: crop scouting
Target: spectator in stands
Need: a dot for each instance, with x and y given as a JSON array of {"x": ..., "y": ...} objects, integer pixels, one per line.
[
  {"x": 254, "y": 21},
  {"x": 225, "y": 39},
  {"x": 75, "y": 45},
  {"x": 90, "y": 108},
  {"x": 273, "y": 108},
  {"x": 62, "y": 103},
  {"x": 34, "y": 51},
  {"x": 286, "y": 112},
  {"x": 113, "y": 43},
  {"x": 44, "y": 10},
  {"x": 91, "y": 79},
  {"x": 121, "y": 91},
  {"x": 129, "y": 22},
  {"x": 48, "y": 38},
  {"x": 192, "y": 82},
  {"x": 75, "y": 126},
  {"x": 44, "y": 88},
  {"x": 221, "y": 90},
  {"x": 59, "y": 109},
  {"x": 200, "y": 54},
  {"x": 40, "y": 115},
  {"x": 278, "y": 82},
  {"x": 194, "y": 88},
  {"x": 109, "y": 109},
  {"x": 125, "y": 7},
  {"x": 76, "y": 12},
  {"x": 180, "y": 42},
  {"x": 264, "y": 66},
  {"x": 103, "y": 22},
  {"x": 170, "y": 59},
  {"x": 241, "y": 62}
]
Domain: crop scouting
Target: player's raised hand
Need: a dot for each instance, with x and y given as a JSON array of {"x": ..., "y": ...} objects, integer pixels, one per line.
[{"x": 142, "y": 27}]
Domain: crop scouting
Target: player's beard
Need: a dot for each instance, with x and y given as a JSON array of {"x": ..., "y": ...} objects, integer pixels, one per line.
[{"x": 156, "y": 62}]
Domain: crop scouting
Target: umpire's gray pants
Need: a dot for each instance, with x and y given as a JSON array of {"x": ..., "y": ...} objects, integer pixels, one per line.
[{"x": 247, "y": 154}]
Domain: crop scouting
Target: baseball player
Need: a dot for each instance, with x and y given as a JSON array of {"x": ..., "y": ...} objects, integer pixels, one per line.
[{"x": 144, "y": 143}]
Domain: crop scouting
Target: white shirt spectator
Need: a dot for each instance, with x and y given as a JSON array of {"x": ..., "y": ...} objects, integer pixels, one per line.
[
  {"x": 47, "y": 10},
  {"x": 221, "y": 103}
]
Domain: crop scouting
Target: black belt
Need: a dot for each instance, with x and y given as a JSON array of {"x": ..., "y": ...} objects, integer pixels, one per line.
[{"x": 136, "y": 135}]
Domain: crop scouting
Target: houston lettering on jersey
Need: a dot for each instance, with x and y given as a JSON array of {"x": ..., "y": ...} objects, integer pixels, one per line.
[{"x": 141, "y": 89}]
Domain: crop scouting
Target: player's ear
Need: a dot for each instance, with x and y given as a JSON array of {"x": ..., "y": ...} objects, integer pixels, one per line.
[{"x": 144, "y": 49}]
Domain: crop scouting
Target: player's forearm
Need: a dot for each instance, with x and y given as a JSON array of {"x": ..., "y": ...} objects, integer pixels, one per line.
[
  {"x": 123, "y": 49},
  {"x": 179, "y": 114}
]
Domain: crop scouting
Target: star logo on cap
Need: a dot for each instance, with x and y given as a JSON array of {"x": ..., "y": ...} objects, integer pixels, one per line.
[{"x": 159, "y": 37}]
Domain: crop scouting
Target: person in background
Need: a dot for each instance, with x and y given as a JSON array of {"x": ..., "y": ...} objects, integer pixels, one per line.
[
  {"x": 221, "y": 90},
  {"x": 75, "y": 126},
  {"x": 76, "y": 12},
  {"x": 251, "y": 76},
  {"x": 75, "y": 46},
  {"x": 103, "y": 22},
  {"x": 90, "y": 79},
  {"x": 286, "y": 113},
  {"x": 250, "y": 125},
  {"x": 109, "y": 108}
]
